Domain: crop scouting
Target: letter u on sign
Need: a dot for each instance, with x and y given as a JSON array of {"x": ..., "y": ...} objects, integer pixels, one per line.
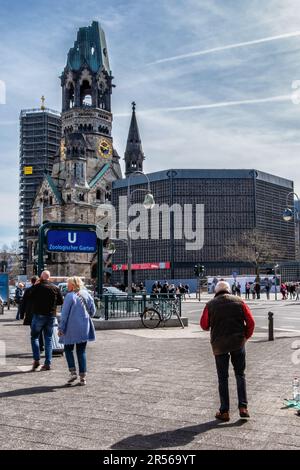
[{"x": 72, "y": 237}]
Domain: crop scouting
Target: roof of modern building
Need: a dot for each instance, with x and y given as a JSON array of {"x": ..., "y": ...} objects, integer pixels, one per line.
[
  {"x": 89, "y": 49},
  {"x": 206, "y": 174},
  {"x": 26, "y": 112}
]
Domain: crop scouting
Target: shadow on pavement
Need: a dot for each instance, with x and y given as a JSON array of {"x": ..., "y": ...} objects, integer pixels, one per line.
[
  {"x": 32, "y": 391},
  {"x": 175, "y": 438},
  {"x": 8, "y": 320},
  {"x": 15, "y": 372},
  {"x": 19, "y": 355}
]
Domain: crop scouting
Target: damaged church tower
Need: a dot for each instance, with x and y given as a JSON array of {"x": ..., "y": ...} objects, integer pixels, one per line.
[{"x": 87, "y": 163}]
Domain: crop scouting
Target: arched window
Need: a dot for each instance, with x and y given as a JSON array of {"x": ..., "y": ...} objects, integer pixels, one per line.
[
  {"x": 85, "y": 94},
  {"x": 81, "y": 197},
  {"x": 70, "y": 96},
  {"x": 98, "y": 194}
]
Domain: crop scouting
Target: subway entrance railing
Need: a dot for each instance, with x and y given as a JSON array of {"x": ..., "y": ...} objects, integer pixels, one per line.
[{"x": 125, "y": 306}]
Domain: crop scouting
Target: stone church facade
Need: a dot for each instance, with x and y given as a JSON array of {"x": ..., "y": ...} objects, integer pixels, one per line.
[{"x": 87, "y": 164}]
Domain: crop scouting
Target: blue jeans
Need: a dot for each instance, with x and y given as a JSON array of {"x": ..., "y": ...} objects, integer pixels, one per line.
[
  {"x": 42, "y": 323},
  {"x": 238, "y": 360},
  {"x": 81, "y": 356},
  {"x": 18, "y": 312}
]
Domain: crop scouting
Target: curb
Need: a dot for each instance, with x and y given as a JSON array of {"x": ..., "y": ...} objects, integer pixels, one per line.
[{"x": 133, "y": 323}]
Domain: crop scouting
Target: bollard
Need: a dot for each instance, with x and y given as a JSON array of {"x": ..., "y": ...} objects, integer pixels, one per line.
[{"x": 271, "y": 326}]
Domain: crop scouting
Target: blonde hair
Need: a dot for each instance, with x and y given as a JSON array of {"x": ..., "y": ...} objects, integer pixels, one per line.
[{"x": 76, "y": 282}]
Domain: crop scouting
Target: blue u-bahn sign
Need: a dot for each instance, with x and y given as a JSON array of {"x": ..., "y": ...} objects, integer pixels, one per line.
[{"x": 72, "y": 241}]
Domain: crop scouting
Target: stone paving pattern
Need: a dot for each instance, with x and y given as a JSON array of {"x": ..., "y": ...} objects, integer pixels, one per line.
[{"x": 144, "y": 392}]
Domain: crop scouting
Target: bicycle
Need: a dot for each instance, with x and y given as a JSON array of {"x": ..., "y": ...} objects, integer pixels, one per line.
[{"x": 152, "y": 317}]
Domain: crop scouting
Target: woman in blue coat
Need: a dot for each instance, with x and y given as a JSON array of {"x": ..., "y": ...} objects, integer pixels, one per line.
[{"x": 76, "y": 326}]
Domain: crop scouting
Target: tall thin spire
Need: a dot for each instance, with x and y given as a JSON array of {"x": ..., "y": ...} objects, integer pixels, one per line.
[{"x": 134, "y": 154}]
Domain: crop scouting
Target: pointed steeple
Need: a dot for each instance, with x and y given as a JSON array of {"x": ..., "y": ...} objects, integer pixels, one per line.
[{"x": 134, "y": 154}]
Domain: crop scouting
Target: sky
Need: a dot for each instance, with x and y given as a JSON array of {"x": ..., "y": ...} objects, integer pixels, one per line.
[{"x": 212, "y": 80}]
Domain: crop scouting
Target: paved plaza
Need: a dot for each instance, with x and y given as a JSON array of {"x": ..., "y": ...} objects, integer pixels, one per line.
[{"x": 147, "y": 389}]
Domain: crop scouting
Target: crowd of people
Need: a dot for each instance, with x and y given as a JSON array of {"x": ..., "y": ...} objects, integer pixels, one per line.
[
  {"x": 37, "y": 306},
  {"x": 290, "y": 290},
  {"x": 171, "y": 289}
]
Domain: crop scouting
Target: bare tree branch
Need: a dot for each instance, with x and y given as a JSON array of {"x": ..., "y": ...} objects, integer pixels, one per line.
[{"x": 254, "y": 246}]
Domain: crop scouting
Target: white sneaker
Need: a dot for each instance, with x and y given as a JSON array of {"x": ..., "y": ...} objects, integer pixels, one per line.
[
  {"x": 82, "y": 381},
  {"x": 73, "y": 377}
]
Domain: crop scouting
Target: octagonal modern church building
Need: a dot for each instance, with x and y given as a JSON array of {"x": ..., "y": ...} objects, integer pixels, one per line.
[{"x": 87, "y": 163}]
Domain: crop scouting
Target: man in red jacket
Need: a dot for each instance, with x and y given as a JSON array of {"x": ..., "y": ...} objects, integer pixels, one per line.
[{"x": 231, "y": 323}]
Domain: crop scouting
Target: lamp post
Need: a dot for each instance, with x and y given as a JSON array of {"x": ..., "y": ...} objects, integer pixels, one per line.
[
  {"x": 275, "y": 272},
  {"x": 290, "y": 212},
  {"x": 148, "y": 203}
]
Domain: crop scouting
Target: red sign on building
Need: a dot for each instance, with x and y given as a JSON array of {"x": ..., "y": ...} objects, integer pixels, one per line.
[{"x": 140, "y": 266}]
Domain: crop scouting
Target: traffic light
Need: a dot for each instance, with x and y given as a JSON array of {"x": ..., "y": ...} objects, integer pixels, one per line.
[{"x": 199, "y": 269}]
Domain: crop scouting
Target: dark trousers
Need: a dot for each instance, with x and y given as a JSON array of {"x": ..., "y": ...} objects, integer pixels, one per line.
[
  {"x": 81, "y": 357},
  {"x": 238, "y": 360}
]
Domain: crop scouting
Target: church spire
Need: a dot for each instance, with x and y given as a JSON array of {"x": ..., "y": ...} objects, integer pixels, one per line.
[{"x": 134, "y": 155}]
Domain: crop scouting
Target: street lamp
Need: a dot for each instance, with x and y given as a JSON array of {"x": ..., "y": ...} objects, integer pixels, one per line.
[
  {"x": 290, "y": 212},
  {"x": 148, "y": 203},
  {"x": 275, "y": 273}
]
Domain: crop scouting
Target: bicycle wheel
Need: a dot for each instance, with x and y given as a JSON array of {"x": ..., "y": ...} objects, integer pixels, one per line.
[{"x": 150, "y": 318}]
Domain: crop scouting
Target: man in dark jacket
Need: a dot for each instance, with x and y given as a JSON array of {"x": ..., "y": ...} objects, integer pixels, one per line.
[
  {"x": 18, "y": 298},
  {"x": 45, "y": 297},
  {"x": 231, "y": 323},
  {"x": 26, "y": 312}
]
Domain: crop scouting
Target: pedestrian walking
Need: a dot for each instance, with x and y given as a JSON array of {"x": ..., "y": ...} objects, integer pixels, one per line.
[
  {"x": 233, "y": 288},
  {"x": 297, "y": 291},
  {"x": 45, "y": 298},
  {"x": 268, "y": 288},
  {"x": 283, "y": 290},
  {"x": 257, "y": 289},
  {"x": 247, "y": 290},
  {"x": 76, "y": 327},
  {"x": 26, "y": 313},
  {"x": 187, "y": 290},
  {"x": 231, "y": 323},
  {"x": 252, "y": 288},
  {"x": 18, "y": 298}
]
